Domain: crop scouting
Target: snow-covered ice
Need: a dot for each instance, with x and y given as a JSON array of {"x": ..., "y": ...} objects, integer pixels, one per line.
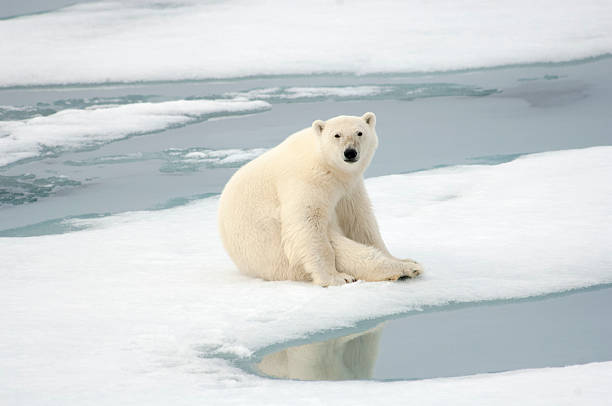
[
  {"x": 575, "y": 385},
  {"x": 83, "y": 128},
  {"x": 147, "y": 307},
  {"x": 166, "y": 40}
]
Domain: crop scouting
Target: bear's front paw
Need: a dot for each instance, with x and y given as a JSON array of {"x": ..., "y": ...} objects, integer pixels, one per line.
[
  {"x": 412, "y": 269},
  {"x": 347, "y": 278},
  {"x": 338, "y": 278}
]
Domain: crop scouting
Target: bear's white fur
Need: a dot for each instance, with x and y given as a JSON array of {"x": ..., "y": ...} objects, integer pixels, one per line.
[{"x": 301, "y": 212}]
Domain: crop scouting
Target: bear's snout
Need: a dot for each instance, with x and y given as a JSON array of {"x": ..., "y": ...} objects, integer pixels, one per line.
[{"x": 350, "y": 155}]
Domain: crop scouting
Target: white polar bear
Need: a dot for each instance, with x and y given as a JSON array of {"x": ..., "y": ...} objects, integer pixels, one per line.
[{"x": 300, "y": 211}]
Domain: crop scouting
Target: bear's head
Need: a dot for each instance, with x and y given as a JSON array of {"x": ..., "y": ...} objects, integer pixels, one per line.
[{"x": 347, "y": 143}]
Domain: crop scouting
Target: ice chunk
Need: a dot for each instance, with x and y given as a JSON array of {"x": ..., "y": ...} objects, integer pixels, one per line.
[{"x": 84, "y": 128}]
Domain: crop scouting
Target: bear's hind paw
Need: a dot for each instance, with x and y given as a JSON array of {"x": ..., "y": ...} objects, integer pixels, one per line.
[{"x": 413, "y": 268}]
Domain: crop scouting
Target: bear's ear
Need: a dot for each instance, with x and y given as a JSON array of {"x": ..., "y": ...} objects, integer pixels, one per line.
[
  {"x": 318, "y": 126},
  {"x": 370, "y": 119}
]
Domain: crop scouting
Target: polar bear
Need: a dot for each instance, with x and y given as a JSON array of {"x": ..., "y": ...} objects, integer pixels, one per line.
[{"x": 300, "y": 211}]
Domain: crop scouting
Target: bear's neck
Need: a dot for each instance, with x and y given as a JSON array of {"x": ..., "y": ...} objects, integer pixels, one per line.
[{"x": 335, "y": 179}]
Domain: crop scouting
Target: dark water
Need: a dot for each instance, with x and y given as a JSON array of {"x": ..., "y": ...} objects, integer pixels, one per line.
[{"x": 554, "y": 331}]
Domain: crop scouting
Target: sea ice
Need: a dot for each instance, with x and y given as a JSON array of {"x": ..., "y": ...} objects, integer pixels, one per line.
[
  {"x": 146, "y": 306},
  {"x": 166, "y": 40},
  {"x": 83, "y": 128}
]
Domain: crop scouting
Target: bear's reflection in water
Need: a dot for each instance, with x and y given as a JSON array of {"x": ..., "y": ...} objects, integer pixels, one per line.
[{"x": 349, "y": 357}]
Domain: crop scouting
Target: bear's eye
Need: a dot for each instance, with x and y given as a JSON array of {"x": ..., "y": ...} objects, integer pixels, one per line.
[
  {"x": 337, "y": 135},
  {"x": 359, "y": 133}
]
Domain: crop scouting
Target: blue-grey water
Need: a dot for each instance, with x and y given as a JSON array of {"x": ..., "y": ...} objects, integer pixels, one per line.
[
  {"x": 553, "y": 331},
  {"x": 423, "y": 121}
]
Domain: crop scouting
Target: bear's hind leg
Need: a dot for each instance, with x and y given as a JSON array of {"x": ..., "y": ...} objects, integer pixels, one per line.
[{"x": 369, "y": 263}]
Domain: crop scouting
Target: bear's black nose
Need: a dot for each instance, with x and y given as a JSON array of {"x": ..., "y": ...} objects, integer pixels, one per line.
[{"x": 350, "y": 154}]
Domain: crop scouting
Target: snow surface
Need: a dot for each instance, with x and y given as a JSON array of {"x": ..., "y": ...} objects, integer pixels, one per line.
[
  {"x": 167, "y": 40},
  {"x": 147, "y": 307},
  {"x": 75, "y": 129},
  {"x": 575, "y": 385}
]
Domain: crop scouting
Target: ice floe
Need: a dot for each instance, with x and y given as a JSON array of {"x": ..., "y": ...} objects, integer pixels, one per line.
[
  {"x": 165, "y": 40},
  {"x": 72, "y": 129},
  {"x": 146, "y": 306}
]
